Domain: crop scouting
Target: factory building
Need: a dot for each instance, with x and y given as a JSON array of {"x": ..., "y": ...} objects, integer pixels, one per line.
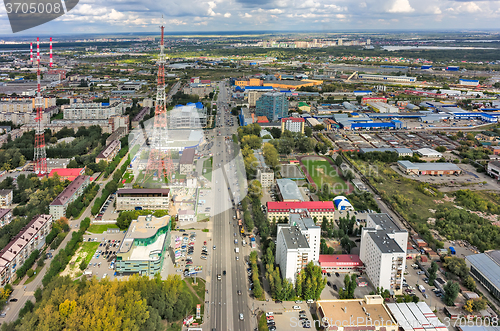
[
  {"x": 438, "y": 168},
  {"x": 468, "y": 82},
  {"x": 288, "y": 190},
  {"x": 428, "y": 154},
  {"x": 383, "y": 252},
  {"x": 402, "y": 152},
  {"x": 485, "y": 268},
  {"x": 397, "y": 79}
]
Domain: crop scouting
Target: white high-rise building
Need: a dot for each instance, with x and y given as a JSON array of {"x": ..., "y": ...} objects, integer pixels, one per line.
[
  {"x": 298, "y": 243},
  {"x": 383, "y": 252}
]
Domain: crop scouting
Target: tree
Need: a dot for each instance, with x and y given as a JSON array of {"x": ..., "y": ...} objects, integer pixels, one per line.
[
  {"x": 469, "y": 283},
  {"x": 451, "y": 290},
  {"x": 338, "y": 160},
  {"x": 479, "y": 304},
  {"x": 319, "y": 127},
  {"x": 432, "y": 273},
  {"x": 441, "y": 149},
  {"x": 308, "y": 131}
]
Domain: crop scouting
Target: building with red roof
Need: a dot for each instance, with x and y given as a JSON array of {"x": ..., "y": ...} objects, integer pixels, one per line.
[
  {"x": 318, "y": 209},
  {"x": 293, "y": 124},
  {"x": 262, "y": 119},
  {"x": 339, "y": 263},
  {"x": 67, "y": 173}
]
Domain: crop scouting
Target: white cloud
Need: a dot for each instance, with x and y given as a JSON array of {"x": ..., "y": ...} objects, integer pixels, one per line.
[
  {"x": 401, "y": 6},
  {"x": 227, "y": 15}
]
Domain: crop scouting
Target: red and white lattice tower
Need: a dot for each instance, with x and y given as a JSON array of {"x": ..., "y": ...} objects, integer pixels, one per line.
[
  {"x": 160, "y": 161},
  {"x": 40, "y": 153}
]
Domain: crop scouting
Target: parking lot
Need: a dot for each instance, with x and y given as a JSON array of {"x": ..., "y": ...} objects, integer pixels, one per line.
[
  {"x": 289, "y": 316},
  {"x": 108, "y": 210},
  {"x": 334, "y": 283},
  {"x": 102, "y": 260},
  {"x": 193, "y": 249}
]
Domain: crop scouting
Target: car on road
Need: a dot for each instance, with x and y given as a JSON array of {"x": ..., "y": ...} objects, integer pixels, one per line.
[
  {"x": 219, "y": 277},
  {"x": 13, "y": 300},
  {"x": 278, "y": 301},
  {"x": 298, "y": 301},
  {"x": 337, "y": 274},
  {"x": 214, "y": 246},
  {"x": 204, "y": 257},
  {"x": 241, "y": 317},
  {"x": 296, "y": 308},
  {"x": 224, "y": 272},
  {"x": 334, "y": 287},
  {"x": 239, "y": 292}
]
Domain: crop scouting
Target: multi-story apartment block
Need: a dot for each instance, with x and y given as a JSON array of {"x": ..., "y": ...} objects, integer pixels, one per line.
[
  {"x": 58, "y": 207},
  {"x": 92, "y": 111},
  {"x": 151, "y": 199},
  {"x": 293, "y": 124},
  {"x": 383, "y": 251},
  {"x": 265, "y": 176},
  {"x": 109, "y": 152},
  {"x": 5, "y": 216},
  {"x": 273, "y": 105},
  {"x": 30, "y": 238},
  {"x": 6, "y": 197},
  {"x": 297, "y": 243}
]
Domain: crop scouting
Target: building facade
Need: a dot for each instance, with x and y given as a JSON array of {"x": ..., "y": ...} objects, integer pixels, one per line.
[
  {"x": 5, "y": 216},
  {"x": 145, "y": 245},
  {"x": 319, "y": 209},
  {"x": 485, "y": 268},
  {"x": 273, "y": 105},
  {"x": 190, "y": 116},
  {"x": 493, "y": 169},
  {"x": 30, "y": 238},
  {"x": 92, "y": 111},
  {"x": 138, "y": 199},
  {"x": 58, "y": 207},
  {"x": 297, "y": 244},
  {"x": 109, "y": 152},
  {"x": 6, "y": 197},
  {"x": 187, "y": 161},
  {"x": 293, "y": 124},
  {"x": 265, "y": 176},
  {"x": 438, "y": 168},
  {"x": 383, "y": 252}
]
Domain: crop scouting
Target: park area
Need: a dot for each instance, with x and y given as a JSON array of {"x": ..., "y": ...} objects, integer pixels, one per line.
[{"x": 321, "y": 172}]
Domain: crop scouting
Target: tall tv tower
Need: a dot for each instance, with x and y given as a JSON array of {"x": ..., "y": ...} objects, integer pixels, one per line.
[
  {"x": 160, "y": 161},
  {"x": 40, "y": 153}
]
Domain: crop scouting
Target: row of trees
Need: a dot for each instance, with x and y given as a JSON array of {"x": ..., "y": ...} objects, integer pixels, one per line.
[
  {"x": 258, "y": 292},
  {"x": 349, "y": 287},
  {"x": 110, "y": 187}
]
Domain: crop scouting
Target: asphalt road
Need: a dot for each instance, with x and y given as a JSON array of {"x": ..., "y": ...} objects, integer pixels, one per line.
[{"x": 225, "y": 304}]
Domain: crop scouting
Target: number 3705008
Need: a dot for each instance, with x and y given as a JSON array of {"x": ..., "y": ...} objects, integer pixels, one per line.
[
  {"x": 462, "y": 321},
  {"x": 32, "y": 8}
]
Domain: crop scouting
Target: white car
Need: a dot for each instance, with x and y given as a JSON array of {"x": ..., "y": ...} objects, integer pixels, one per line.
[
  {"x": 269, "y": 313},
  {"x": 241, "y": 317},
  {"x": 296, "y": 308}
]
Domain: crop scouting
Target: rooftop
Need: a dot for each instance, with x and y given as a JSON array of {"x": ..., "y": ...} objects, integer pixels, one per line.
[
  {"x": 140, "y": 191},
  {"x": 5, "y": 192},
  {"x": 488, "y": 264},
  {"x": 294, "y": 239},
  {"x": 66, "y": 172},
  {"x": 187, "y": 156},
  {"x": 63, "y": 197},
  {"x": 109, "y": 149},
  {"x": 292, "y": 119},
  {"x": 309, "y": 205},
  {"x": 339, "y": 310},
  {"x": 327, "y": 260},
  {"x": 4, "y": 211},
  {"x": 430, "y": 166},
  {"x": 384, "y": 222},
  {"x": 384, "y": 242},
  {"x": 302, "y": 220},
  {"x": 289, "y": 189}
]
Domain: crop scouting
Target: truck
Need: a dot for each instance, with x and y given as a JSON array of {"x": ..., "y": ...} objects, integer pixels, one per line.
[
  {"x": 452, "y": 250},
  {"x": 421, "y": 288},
  {"x": 88, "y": 273},
  {"x": 252, "y": 242},
  {"x": 237, "y": 250}
]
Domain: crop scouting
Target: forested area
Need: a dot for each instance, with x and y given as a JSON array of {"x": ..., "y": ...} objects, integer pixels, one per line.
[{"x": 138, "y": 304}]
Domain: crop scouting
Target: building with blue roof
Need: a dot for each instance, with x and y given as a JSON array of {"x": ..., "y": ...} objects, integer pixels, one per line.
[
  {"x": 468, "y": 82},
  {"x": 342, "y": 203}
]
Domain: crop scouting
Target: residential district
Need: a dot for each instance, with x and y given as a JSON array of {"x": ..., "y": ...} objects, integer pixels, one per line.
[{"x": 238, "y": 192}]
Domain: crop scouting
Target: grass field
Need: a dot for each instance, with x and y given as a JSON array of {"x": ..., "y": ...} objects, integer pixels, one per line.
[
  {"x": 207, "y": 164},
  {"x": 101, "y": 228},
  {"x": 263, "y": 323},
  {"x": 88, "y": 249},
  {"x": 323, "y": 173}
]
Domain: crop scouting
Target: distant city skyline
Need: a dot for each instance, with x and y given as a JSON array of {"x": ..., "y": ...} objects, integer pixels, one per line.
[{"x": 117, "y": 16}]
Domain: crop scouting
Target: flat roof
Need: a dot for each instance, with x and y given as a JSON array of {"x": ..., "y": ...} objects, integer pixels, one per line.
[
  {"x": 327, "y": 260},
  {"x": 340, "y": 310},
  {"x": 311, "y": 206},
  {"x": 384, "y": 242},
  {"x": 289, "y": 189},
  {"x": 488, "y": 265},
  {"x": 384, "y": 222},
  {"x": 162, "y": 191},
  {"x": 294, "y": 239},
  {"x": 187, "y": 156}
]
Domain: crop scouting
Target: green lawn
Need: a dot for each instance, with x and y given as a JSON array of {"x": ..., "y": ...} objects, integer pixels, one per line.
[
  {"x": 101, "y": 228},
  {"x": 199, "y": 288},
  {"x": 323, "y": 173},
  {"x": 89, "y": 248},
  {"x": 207, "y": 164},
  {"x": 29, "y": 280},
  {"x": 263, "y": 323}
]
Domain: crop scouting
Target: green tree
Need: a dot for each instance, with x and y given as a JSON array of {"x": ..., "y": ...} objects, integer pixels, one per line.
[
  {"x": 451, "y": 290},
  {"x": 338, "y": 160},
  {"x": 469, "y": 283},
  {"x": 308, "y": 131}
]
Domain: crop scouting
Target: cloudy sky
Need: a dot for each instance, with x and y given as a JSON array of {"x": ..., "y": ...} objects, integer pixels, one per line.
[{"x": 97, "y": 16}]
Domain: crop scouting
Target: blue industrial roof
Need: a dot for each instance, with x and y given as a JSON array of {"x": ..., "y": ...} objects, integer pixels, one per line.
[
  {"x": 486, "y": 265},
  {"x": 258, "y": 87},
  {"x": 105, "y": 104},
  {"x": 396, "y": 121},
  {"x": 367, "y": 91},
  {"x": 372, "y": 125},
  {"x": 470, "y": 80}
]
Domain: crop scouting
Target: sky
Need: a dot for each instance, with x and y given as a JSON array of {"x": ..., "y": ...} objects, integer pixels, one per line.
[{"x": 97, "y": 16}]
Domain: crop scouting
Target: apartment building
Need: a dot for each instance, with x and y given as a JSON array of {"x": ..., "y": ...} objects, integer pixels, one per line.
[
  {"x": 5, "y": 216},
  {"x": 58, "y": 207},
  {"x": 92, "y": 111},
  {"x": 265, "y": 176},
  {"x": 109, "y": 152},
  {"x": 30, "y": 238},
  {"x": 6, "y": 197},
  {"x": 383, "y": 251},
  {"x": 151, "y": 199},
  {"x": 186, "y": 162},
  {"x": 293, "y": 124},
  {"x": 297, "y": 243},
  {"x": 273, "y": 105}
]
